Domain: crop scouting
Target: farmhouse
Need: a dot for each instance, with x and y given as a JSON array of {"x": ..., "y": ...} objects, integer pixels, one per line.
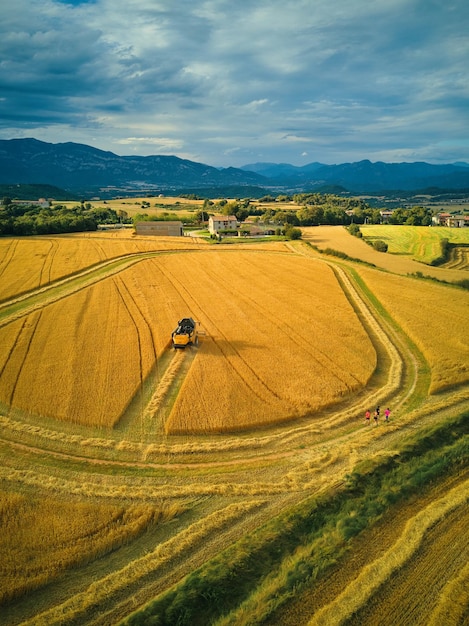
[
  {"x": 385, "y": 215},
  {"x": 222, "y": 223},
  {"x": 453, "y": 221},
  {"x": 161, "y": 229},
  {"x": 42, "y": 202}
]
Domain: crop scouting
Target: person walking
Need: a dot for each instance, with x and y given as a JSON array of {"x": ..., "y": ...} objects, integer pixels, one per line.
[
  {"x": 367, "y": 417},
  {"x": 376, "y": 416},
  {"x": 387, "y": 413}
]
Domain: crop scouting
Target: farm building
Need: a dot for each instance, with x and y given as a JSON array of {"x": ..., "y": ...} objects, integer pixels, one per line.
[
  {"x": 385, "y": 215},
  {"x": 453, "y": 221},
  {"x": 161, "y": 229},
  {"x": 222, "y": 223},
  {"x": 247, "y": 229}
]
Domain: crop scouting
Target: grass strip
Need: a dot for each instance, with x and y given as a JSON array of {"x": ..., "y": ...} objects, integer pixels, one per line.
[{"x": 310, "y": 537}]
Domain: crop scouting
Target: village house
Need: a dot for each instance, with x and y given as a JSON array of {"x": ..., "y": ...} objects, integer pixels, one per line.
[
  {"x": 459, "y": 221},
  {"x": 453, "y": 221},
  {"x": 385, "y": 215},
  {"x": 226, "y": 224}
]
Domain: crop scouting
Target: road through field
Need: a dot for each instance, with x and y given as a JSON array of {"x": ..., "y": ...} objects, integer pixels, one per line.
[{"x": 230, "y": 484}]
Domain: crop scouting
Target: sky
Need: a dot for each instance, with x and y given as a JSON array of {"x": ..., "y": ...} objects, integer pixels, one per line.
[{"x": 234, "y": 82}]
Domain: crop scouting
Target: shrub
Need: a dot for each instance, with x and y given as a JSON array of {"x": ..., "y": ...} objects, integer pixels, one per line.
[
  {"x": 354, "y": 229},
  {"x": 380, "y": 245},
  {"x": 293, "y": 233},
  {"x": 445, "y": 248}
]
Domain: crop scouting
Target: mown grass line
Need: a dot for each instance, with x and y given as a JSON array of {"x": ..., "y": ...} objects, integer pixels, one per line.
[{"x": 312, "y": 536}]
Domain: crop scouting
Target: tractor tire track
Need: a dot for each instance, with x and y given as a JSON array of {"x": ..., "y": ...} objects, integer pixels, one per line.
[
  {"x": 8, "y": 256},
  {"x": 120, "y": 288},
  {"x": 225, "y": 340},
  {"x": 46, "y": 268},
  {"x": 32, "y": 333}
]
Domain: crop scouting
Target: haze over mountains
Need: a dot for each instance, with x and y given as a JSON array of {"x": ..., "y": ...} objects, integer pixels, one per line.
[{"x": 83, "y": 169}]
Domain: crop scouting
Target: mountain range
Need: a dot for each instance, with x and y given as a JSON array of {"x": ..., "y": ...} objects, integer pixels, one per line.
[{"x": 79, "y": 168}]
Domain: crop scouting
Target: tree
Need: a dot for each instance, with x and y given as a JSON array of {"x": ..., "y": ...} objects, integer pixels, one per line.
[
  {"x": 241, "y": 214},
  {"x": 201, "y": 216},
  {"x": 293, "y": 233},
  {"x": 354, "y": 229}
]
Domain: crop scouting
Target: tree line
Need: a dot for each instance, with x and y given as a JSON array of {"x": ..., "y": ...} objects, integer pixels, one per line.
[
  {"x": 316, "y": 209},
  {"x": 34, "y": 219}
]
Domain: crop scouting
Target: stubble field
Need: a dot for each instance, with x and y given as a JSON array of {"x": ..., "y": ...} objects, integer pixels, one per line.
[{"x": 164, "y": 459}]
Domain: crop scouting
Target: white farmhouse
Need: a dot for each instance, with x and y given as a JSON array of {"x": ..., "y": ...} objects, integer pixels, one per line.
[{"x": 222, "y": 223}]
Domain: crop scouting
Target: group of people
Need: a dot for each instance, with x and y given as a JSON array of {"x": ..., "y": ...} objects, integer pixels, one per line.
[{"x": 376, "y": 415}]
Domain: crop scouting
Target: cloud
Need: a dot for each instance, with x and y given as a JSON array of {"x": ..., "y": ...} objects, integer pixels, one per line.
[
  {"x": 162, "y": 145},
  {"x": 217, "y": 80}
]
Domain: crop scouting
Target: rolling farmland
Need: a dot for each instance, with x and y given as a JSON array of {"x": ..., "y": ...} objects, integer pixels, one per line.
[
  {"x": 252, "y": 443},
  {"x": 420, "y": 242}
]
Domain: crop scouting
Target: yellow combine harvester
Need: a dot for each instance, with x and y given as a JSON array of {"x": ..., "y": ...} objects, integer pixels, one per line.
[{"x": 185, "y": 334}]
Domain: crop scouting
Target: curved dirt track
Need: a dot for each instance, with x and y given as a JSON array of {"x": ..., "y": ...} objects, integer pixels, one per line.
[{"x": 231, "y": 483}]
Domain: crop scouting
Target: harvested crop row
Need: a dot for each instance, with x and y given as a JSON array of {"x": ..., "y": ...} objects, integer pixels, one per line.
[
  {"x": 411, "y": 595},
  {"x": 75, "y": 608},
  {"x": 459, "y": 258},
  {"x": 41, "y": 537}
]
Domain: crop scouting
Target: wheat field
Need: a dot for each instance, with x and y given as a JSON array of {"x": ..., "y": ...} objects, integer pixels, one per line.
[
  {"x": 30, "y": 262},
  {"x": 43, "y": 537},
  {"x": 130, "y": 470},
  {"x": 413, "y": 304},
  {"x": 266, "y": 350}
]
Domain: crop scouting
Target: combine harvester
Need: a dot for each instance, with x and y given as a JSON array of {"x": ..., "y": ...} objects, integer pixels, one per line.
[{"x": 186, "y": 333}]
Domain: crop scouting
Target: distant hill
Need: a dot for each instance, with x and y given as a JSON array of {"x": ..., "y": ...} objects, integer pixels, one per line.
[
  {"x": 84, "y": 171},
  {"x": 365, "y": 176},
  {"x": 282, "y": 170},
  {"x": 34, "y": 192}
]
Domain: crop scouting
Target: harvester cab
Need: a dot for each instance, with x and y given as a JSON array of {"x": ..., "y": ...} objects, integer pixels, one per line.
[{"x": 185, "y": 334}]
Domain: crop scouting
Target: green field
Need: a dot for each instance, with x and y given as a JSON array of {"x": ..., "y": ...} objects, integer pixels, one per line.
[{"x": 422, "y": 243}]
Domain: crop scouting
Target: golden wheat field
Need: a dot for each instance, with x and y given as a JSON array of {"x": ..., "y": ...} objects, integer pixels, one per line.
[
  {"x": 138, "y": 477},
  {"x": 30, "y": 262},
  {"x": 441, "y": 336},
  {"x": 267, "y": 352}
]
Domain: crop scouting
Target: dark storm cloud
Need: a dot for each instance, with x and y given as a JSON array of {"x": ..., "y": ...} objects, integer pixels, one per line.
[{"x": 227, "y": 83}]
